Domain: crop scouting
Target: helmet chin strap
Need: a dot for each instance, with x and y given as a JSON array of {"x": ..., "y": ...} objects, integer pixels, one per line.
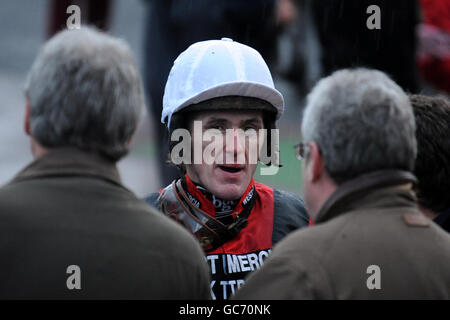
[{"x": 212, "y": 232}]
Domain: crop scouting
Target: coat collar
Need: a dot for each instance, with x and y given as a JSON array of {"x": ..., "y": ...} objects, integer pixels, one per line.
[
  {"x": 70, "y": 161},
  {"x": 376, "y": 189}
]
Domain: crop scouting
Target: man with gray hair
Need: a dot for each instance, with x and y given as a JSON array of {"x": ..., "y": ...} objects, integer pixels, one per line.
[
  {"x": 68, "y": 227},
  {"x": 370, "y": 241}
]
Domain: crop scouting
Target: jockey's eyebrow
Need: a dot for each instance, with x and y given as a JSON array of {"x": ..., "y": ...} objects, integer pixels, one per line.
[
  {"x": 253, "y": 121},
  {"x": 216, "y": 120}
]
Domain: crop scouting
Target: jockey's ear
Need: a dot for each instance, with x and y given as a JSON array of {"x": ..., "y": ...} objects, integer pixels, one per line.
[{"x": 26, "y": 120}]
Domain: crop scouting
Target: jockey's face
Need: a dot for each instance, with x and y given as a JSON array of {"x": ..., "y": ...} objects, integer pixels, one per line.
[{"x": 229, "y": 151}]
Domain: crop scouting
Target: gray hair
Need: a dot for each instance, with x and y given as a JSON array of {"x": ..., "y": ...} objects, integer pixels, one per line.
[
  {"x": 362, "y": 121},
  {"x": 85, "y": 91}
]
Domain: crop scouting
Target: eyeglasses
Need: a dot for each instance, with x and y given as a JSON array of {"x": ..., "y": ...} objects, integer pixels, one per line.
[{"x": 300, "y": 150}]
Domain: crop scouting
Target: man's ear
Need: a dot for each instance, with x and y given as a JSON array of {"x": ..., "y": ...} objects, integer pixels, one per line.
[
  {"x": 26, "y": 122},
  {"x": 130, "y": 141},
  {"x": 316, "y": 166}
]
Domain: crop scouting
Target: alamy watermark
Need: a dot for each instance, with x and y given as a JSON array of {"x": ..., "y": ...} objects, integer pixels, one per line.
[
  {"x": 374, "y": 280},
  {"x": 374, "y": 20},
  {"x": 74, "y": 20},
  {"x": 230, "y": 146},
  {"x": 73, "y": 281}
]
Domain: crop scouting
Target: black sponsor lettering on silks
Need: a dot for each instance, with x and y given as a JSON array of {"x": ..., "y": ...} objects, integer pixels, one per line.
[{"x": 228, "y": 271}]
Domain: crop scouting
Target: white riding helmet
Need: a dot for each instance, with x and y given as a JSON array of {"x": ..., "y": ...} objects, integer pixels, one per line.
[{"x": 218, "y": 68}]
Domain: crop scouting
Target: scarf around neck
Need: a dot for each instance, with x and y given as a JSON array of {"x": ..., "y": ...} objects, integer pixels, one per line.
[{"x": 224, "y": 210}]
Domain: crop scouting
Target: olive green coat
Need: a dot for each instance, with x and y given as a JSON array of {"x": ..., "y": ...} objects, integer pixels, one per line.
[
  {"x": 69, "y": 208},
  {"x": 370, "y": 241}
]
